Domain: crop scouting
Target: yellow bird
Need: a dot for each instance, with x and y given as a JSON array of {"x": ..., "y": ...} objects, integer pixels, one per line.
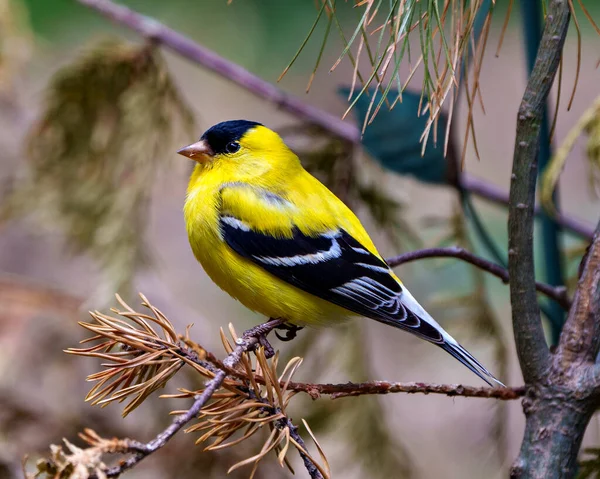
[{"x": 276, "y": 239}]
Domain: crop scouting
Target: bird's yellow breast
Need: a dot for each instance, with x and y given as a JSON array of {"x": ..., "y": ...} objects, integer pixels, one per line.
[{"x": 257, "y": 289}]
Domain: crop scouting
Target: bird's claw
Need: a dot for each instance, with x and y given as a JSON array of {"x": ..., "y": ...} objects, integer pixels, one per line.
[
  {"x": 260, "y": 333},
  {"x": 291, "y": 331}
]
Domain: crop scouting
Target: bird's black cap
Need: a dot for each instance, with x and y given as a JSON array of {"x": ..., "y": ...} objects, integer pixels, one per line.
[{"x": 225, "y": 132}]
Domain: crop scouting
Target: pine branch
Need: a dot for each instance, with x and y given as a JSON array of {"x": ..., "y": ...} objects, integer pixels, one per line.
[
  {"x": 163, "y": 35},
  {"x": 141, "y": 352},
  {"x": 558, "y": 293},
  {"x": 247, "y": 342}
]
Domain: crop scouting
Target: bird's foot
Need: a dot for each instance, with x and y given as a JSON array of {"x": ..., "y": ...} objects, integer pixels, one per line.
[
  {"x": 260, "y": 333},
  {"x": 291, "y": 331}
]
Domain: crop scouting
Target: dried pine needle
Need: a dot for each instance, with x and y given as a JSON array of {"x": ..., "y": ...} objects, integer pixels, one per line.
[{"x": 142, "y": 352}]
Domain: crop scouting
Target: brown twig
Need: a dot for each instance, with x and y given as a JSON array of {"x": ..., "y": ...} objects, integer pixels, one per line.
[
  {"x": 159, "y": 33},
  {"x": 249, "y": 340},
  {"x": 315, "y": 390},
  {"x": 313, "y": 471},
  {"x": 497, "y": 195},
  {"x": 385, "y": 387},
  {"x": 558, "y": 293}
]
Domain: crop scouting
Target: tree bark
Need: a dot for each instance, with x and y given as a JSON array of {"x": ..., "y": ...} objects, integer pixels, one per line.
[
  {"x": 556, "y": 420},
  {"x": 532, "y": 350},
  {"x": 559, "y": 406},
  {"x": 562, "y": 387}
]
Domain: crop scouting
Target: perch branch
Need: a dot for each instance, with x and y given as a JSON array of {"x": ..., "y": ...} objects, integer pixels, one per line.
[
  {"x": 580, "y": 338},
  {"x": 532, "y": 349},
  {"x": 247, "y": 342},
  {"x": 558, "y": 293},
  {"x": 385, "y": 387},
  {"x": 315, "y": 390},
  {"x": 187, "y": 48}
]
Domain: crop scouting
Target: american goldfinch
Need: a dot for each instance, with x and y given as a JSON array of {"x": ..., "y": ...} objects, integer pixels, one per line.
[{"x": 276, "y": 239}]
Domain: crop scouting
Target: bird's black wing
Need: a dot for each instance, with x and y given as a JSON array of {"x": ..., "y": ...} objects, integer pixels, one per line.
[{"x": 336, "y": 267}]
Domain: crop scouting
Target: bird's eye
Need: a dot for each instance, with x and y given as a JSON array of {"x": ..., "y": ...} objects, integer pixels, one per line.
[{"x": 232, "y": 147}]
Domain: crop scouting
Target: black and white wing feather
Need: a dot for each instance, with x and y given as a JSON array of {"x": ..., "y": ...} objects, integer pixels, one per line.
[{"x": 336, "y": 267}]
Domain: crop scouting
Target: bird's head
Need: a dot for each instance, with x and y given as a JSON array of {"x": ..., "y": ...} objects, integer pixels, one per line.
[{"x": 240, "y": 144}]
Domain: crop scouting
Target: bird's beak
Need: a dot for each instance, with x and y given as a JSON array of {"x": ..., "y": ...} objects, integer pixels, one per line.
[{"x": 199, "y": 151}]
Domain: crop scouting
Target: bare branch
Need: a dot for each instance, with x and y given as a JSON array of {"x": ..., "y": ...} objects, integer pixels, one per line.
[
  {"x": 151, "y": 29},
  {"x": 385, "y": 387},
  {"x": 497, "y": 195},
  {"x": 532, "y": 350},
  {"x": 159, "y": 33},
  {"x": 558, "y": 293},
  {"x": 580, "y": 338},
  {"x": 315, "y": 390}
]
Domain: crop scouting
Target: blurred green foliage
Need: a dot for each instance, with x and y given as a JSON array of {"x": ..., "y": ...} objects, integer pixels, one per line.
[
  {"x": 393, "y": 137},
  {"x": 242, "y": 31},
  {"x": 94, "y": 153}
]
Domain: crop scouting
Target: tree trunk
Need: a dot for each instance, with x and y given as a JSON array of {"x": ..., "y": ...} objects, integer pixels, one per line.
[
  {"x": 556, "y": 420},
  {"x": 562, "y": 387}
]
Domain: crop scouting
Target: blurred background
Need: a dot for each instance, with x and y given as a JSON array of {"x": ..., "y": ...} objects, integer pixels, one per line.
[{"x": 72, "y": 236}]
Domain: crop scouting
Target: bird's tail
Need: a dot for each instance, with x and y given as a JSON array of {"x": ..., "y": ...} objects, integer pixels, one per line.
[
  {"x": 419, "y": 322},
  {"x": 467, "y": 359}
]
